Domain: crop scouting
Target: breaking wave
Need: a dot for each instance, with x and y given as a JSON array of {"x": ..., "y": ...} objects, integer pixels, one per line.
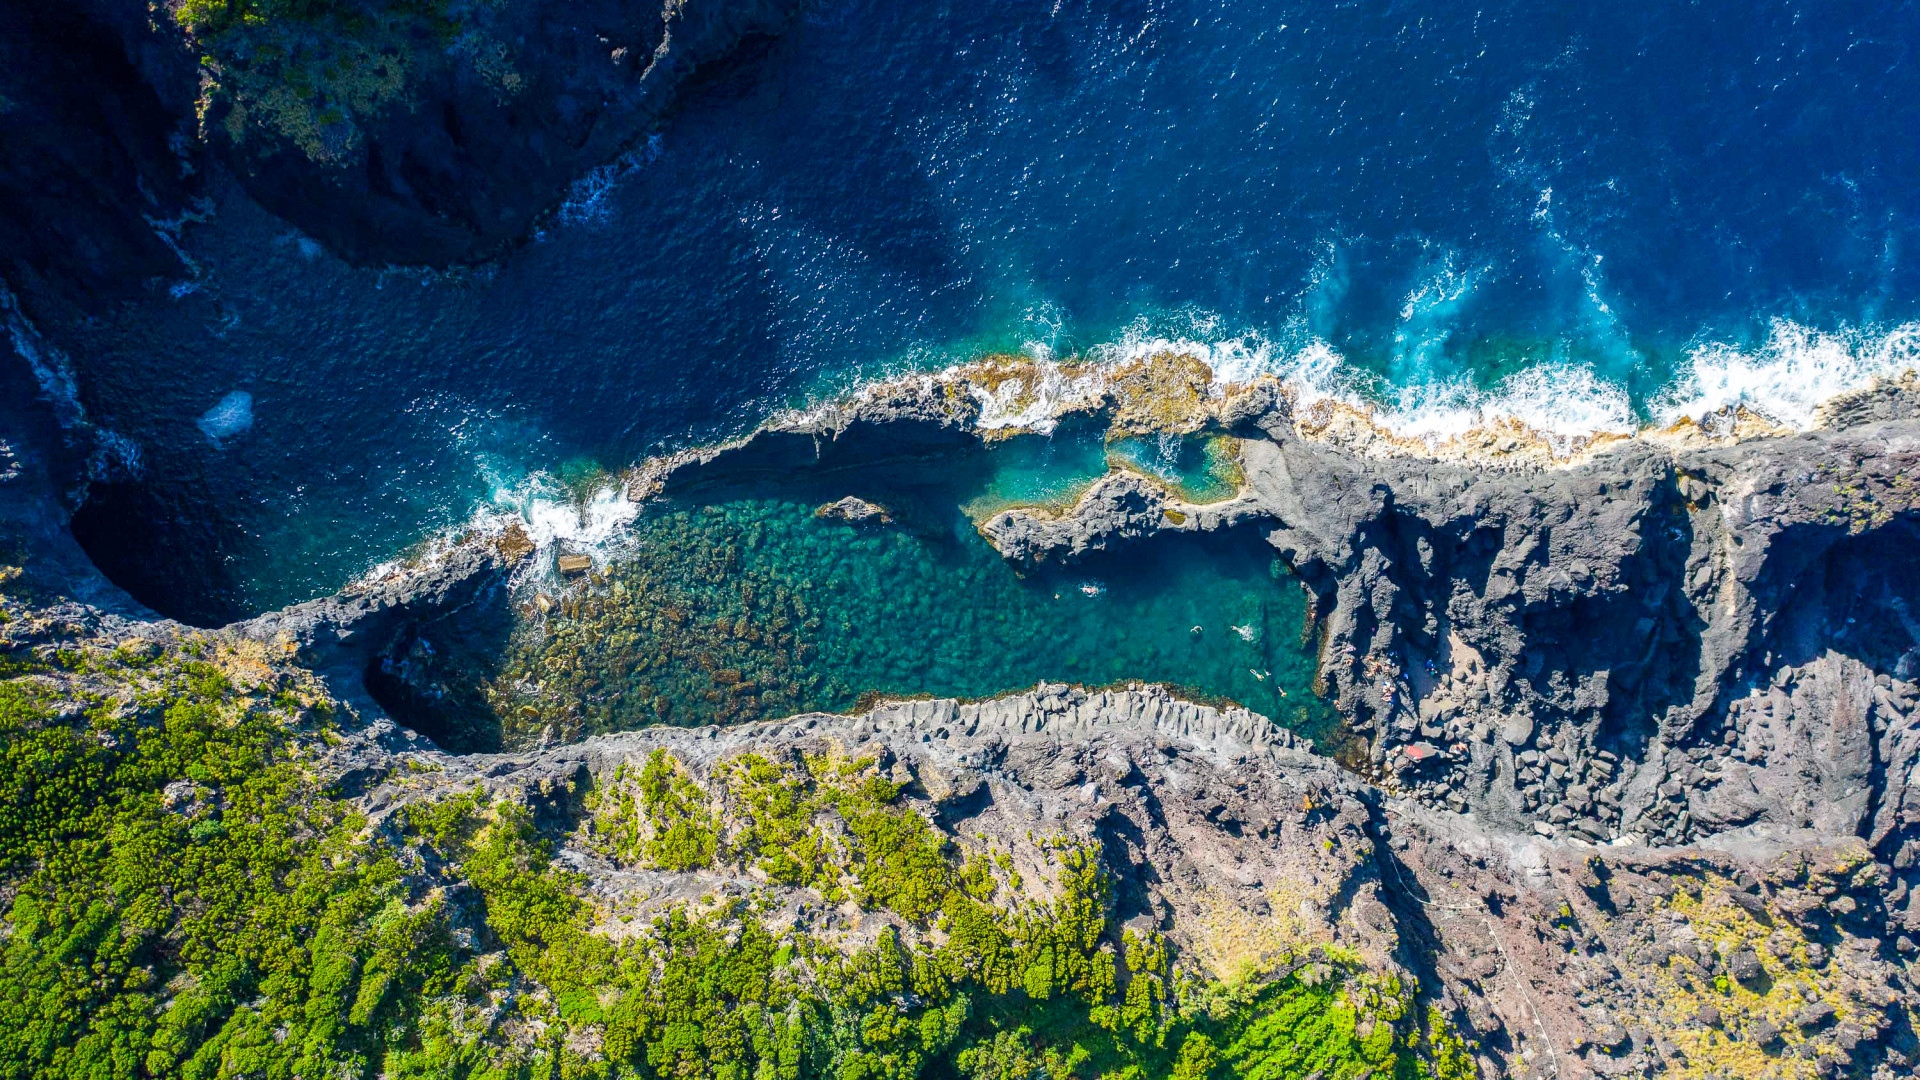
[
  {"x": 1784, "y": 378},
  {"x": 1788, "y": 375}
]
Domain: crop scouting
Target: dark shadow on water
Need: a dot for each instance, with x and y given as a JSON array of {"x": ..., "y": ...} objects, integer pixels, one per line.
[{"x": 168, "y": 559}]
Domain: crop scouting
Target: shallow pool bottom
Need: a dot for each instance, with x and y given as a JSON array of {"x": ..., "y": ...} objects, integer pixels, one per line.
[{"x": 742, "y": 598}]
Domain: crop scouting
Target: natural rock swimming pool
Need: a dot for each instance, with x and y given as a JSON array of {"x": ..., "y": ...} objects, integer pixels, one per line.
[{"x": 752, "y": 599}]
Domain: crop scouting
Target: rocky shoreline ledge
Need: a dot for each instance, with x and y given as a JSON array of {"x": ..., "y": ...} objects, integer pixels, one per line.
[
  {"x": 1550, "y": 642},
  {"x": 1638, "y": 740},
  {"x": 1628, "y": 788},
  {"x": 1240, "y": 846}
]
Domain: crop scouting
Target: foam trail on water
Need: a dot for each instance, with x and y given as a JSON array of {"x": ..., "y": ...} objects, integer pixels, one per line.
[
  {"x": 588, "y": 201},
  {"x": 1562, "y": 401},
  {"x": 113, "y": 456},
  {"x": 1015, "y": 404},
  {"x": 553, "y": 517},
  {"x": 547, "y": 514},
  {"x": 1428, "y": 313},
  {"x": 233, "y": 415},
  {"x": 1786, "y": 377}
]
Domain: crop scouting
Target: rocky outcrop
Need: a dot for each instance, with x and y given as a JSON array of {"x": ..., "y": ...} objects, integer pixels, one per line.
[
  {"x": 460, "y": 582},
  {"x": 1761, "y": 958},
  {"x": 485, "y": 120},
  {"x": 854, "y": 511},
  {"x": 1658, "y": 642},
  {"x": 415, "y": 134}
]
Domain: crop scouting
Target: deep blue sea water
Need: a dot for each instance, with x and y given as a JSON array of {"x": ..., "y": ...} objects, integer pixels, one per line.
[{"x": 1588, "y": 215}]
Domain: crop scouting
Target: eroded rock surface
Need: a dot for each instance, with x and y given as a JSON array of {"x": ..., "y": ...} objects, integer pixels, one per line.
[
  {"x": 1657, "y": 643},
  {"x": 1648, "y": 813},
  {"x": 1753, "y": 958}
]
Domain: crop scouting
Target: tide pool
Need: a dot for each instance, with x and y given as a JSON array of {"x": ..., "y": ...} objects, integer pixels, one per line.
[
  {"x": 749, "y": 603},
  {"x": 1584, "y": 216}
]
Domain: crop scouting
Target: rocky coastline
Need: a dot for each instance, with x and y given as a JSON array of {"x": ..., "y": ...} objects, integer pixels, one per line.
[
  {"x": 1629, "y": 784},
  {"x": 1631, "y": 612},
  {"x": 432, "y": 134},
  {"x": 1628, "y": 778}
]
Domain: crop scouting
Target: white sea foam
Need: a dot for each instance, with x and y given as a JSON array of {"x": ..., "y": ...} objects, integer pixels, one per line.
[
  {"x": 1015, "y": 405},
  {"x": 587, "y": 200},
  {"x": 1428, "y": 313},
  {"x": 1564, "y": 401},
  {"x": 1314, "y": 369},
  {"x": 233, "y": 415},
  {"x": 597, "y": 523},
  {"x": 1787, "y": 376},
  {"x": 1784, "y": 378},
  {"x": 51, "y": 368},
  {"x": 553, "y": 519},
  {"x": 113, "y": 456}
]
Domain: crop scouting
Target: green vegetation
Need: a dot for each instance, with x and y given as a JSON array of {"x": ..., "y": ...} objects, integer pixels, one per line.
[
  {"x": 313, "y": 71},
  {"x": 179, "y": 903},
  {"x": 209, "y": 19},
  {"x": 184, "y": 898}
]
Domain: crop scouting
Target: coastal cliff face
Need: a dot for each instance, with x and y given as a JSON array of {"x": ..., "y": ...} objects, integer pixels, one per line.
[
  {"x": 1207, "y": 833},
  {"x": 456, "y": 126},
  {"x": 1660, "y": 643},
  {"x": 1533, "y": 861},
  {"x": 391, "y": 132}
]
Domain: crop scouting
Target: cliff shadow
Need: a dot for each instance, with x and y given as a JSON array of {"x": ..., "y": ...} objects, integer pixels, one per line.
[
  {"x": 434, "y": 675},
  {"x": 1859, "y": 596}
]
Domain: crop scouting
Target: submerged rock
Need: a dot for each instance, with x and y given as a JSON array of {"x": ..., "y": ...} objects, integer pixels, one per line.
[{"x": 855, "y": 511}]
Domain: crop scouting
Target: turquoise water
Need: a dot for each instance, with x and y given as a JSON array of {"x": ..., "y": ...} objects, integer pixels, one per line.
[
  {"x": 1582, "y": 214},
  {"x": 751, "y": 606},
  {"x": 1053, "y": 471},
  {"x": 1041, "y": 471},
  {"x": 1199, "y": 469}
]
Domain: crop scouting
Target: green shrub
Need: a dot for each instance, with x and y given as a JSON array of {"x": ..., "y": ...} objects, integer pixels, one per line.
[
  {"x": 241, "y": 930},
  {"x": 187, "y": 900}
]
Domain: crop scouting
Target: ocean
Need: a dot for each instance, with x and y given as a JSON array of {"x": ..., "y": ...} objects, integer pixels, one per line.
[{"x": 1589, "y": 217}]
